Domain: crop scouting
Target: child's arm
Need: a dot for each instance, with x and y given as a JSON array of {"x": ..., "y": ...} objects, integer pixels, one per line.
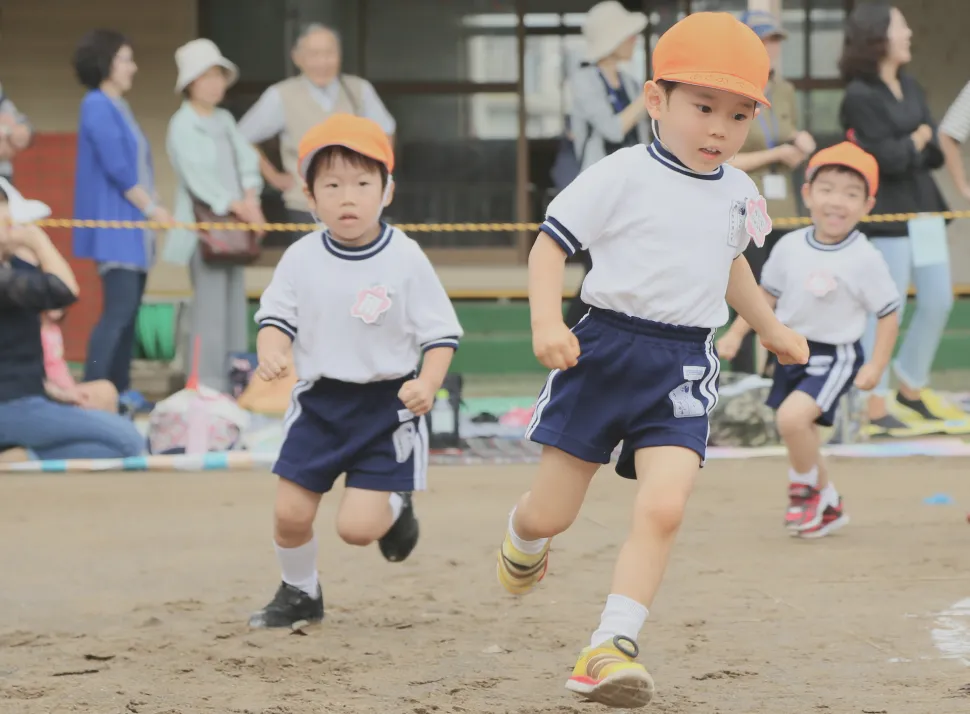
[
  {"x": 747, "y": 299},
  {"x": 882, "y": 298},
  {"x": 730, "y": 342},
  {"x": 554, "y": 344},
  {"x": 887, "y": 329},
  {"x": 437, "y": 330},
  {"x": 277, "y": 318}
]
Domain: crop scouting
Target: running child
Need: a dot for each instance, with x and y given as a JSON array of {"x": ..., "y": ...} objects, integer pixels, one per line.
[
  {"x": 824, "y": 281},
  {"x": 355, "y": 307},
  {"x": 666, "y": 226}
]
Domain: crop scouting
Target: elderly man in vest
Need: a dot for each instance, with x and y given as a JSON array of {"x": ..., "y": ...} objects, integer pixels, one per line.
[{"x": 289, "y": 108}]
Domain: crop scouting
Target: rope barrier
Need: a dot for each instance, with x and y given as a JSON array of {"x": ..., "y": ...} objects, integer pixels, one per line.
[{"x": 431, "y": 227}]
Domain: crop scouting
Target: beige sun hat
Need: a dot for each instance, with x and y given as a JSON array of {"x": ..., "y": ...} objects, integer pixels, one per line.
[
  {"x": 194, "y": 58},
  {"x": 608, "y": 25}
]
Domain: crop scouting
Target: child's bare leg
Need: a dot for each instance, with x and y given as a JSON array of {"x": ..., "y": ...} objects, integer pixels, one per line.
[
  {"x": 366, "y": 516},
  {"x": 810, "y": 492},
  {"x": 606, "y": 672},
  {"x": 296, "y": 544},
  {"x": 547, "y": 510},
  {"x": 299, "y": 598}
]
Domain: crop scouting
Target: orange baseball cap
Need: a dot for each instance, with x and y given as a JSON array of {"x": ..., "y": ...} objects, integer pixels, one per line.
[
  {"x": 352, "y": 132},
  {"x": 713, "y": 49},
  {"x": 852, "y": 157}
]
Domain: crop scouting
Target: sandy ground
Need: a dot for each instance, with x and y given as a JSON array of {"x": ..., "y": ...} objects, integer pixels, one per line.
[{"x": 130, "y": 593}]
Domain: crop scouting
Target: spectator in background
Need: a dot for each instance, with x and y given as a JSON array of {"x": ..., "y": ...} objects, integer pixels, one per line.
[
  {"x": 290, "y": 108},
  {"x": 216, "y": 165},
  {"x": 35, "y": 278},
  {"x": 884, "y": 110},
  {"x": 773, "y": 149},
  {"x": 114, "y": 181},
  {"x": 954, "y": 130},
  {"x": 606, "y": 112},
  {"x": 15, "y": 134}
]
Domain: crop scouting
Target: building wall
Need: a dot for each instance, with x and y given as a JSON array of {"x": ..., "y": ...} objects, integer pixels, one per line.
[{"x": 38, "y": 37}]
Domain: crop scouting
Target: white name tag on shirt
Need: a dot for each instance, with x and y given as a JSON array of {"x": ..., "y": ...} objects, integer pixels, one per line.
[{"x": 775, "y": 187}]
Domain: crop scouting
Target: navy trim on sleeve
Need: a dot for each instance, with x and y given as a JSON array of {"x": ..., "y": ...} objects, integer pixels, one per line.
[
  {"x": 774, "y": 292},
  {"x": 562, "y": 235},
  {"x": 451, "y": 342},
  {"x": 888, "y": 310},
  {"x": 281, "y": 325}
]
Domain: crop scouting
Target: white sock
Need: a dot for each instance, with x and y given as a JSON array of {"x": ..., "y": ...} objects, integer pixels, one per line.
[
  {"x": 299, "y": 566},
  {"x": 830, "y": 497},
  {"x": 529, "y": 547},
  {"x": 621, "y": 616},
  {"x": 397, "y": 505},
  {"x": 808, "y": 479}
]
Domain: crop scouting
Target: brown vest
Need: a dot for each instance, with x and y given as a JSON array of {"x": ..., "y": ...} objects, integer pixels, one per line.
[{"x": 302, "y": 112}]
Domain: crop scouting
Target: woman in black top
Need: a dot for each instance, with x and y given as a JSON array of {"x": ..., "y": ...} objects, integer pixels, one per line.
[
  {"x": 884, "y": 110},
  {"x": 34, "y": 277}
]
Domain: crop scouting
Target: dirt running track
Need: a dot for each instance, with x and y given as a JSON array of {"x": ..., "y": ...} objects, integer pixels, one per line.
[{"x": 129, "y": 594}]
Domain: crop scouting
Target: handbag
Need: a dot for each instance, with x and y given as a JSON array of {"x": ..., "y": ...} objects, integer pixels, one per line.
[
  {"x": 227, "y": 246},
  {"x": 235, "y": 246}
]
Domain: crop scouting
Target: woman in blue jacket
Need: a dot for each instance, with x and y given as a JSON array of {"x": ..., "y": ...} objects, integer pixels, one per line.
[{"x": 114, "y": 181}]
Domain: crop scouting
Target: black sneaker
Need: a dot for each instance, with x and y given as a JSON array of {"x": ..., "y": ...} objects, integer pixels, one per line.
[
  {"x": 918, "y": 406},
  {"x": 399, "y": 541},
  {"x": 291, "y": 608}
]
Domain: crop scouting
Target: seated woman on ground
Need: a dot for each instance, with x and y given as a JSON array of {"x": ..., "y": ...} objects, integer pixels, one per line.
[{"x": 35, "y": 278}]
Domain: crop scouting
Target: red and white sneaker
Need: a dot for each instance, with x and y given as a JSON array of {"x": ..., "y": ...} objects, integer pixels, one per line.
[
  {"x": 833, "y": 518},
  {"x": 803, "y": 503}
]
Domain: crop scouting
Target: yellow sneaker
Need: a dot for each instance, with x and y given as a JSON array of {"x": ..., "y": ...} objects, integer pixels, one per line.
[
  {"x": 609, "y": 675},
  {"x": 519, "y": 572},
  {"x": 942, "y": 407}
]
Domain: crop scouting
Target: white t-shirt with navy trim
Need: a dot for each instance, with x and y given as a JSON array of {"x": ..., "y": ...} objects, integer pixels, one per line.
[
  {"x": 661, "y": 236},
  {"x": 362, "y": 314},
  {"x": 826, "y": 291}
]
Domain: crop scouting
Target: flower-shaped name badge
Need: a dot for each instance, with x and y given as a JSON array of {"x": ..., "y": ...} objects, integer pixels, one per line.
[
  {"x": 820, "y": 283},
  {"x": 371, "y": 304},
  {"x": 757, "y": 223}
]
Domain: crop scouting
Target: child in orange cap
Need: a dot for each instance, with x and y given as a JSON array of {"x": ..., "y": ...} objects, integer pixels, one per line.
[
  {"x": 824, "y": 281},
  {"x": 666, "y": 226},
  {"x": 356, "y": 307}
]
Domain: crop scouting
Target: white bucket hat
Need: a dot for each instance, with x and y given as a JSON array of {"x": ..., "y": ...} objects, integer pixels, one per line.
[
  {"x": 23, "y": 210},
  {"x": 608, "y": 24},
  {"x": 195, "y": 57}
]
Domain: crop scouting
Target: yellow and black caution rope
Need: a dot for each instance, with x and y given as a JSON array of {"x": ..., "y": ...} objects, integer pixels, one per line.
[{"x": 433, "y": 227}]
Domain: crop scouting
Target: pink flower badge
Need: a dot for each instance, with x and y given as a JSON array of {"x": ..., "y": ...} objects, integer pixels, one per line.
[
  {"x": 757, "y": 223},
  {"x": 820, "y": 283},
  {"x": 371, "y": 304}
]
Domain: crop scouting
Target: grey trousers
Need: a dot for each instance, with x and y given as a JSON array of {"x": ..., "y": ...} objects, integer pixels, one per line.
[{"x": 219, "y": 319}]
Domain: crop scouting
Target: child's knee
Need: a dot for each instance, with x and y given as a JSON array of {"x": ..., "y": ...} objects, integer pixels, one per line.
[
  {"x": 796, "y": 414},
  {"x": 662, "y": 512},
  {"x": 295, "y": 511},
  {"x": 364, "y": 516},
  {"x": 356, "y": 529}
]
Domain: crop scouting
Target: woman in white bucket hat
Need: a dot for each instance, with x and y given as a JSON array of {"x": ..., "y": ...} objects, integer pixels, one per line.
[
  {"x": 214, "y": 164},
  {"x": 606, "y": 112}
]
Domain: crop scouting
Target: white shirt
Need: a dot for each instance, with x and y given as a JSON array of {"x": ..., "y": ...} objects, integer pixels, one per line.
[
  {"x": 956, "y": 122},
  {"x": 266, "y": 118},
  {"x": 358, "y": 314},
  {"x": 826, "y": 291},
  {"x": 662, "y": 237}
]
